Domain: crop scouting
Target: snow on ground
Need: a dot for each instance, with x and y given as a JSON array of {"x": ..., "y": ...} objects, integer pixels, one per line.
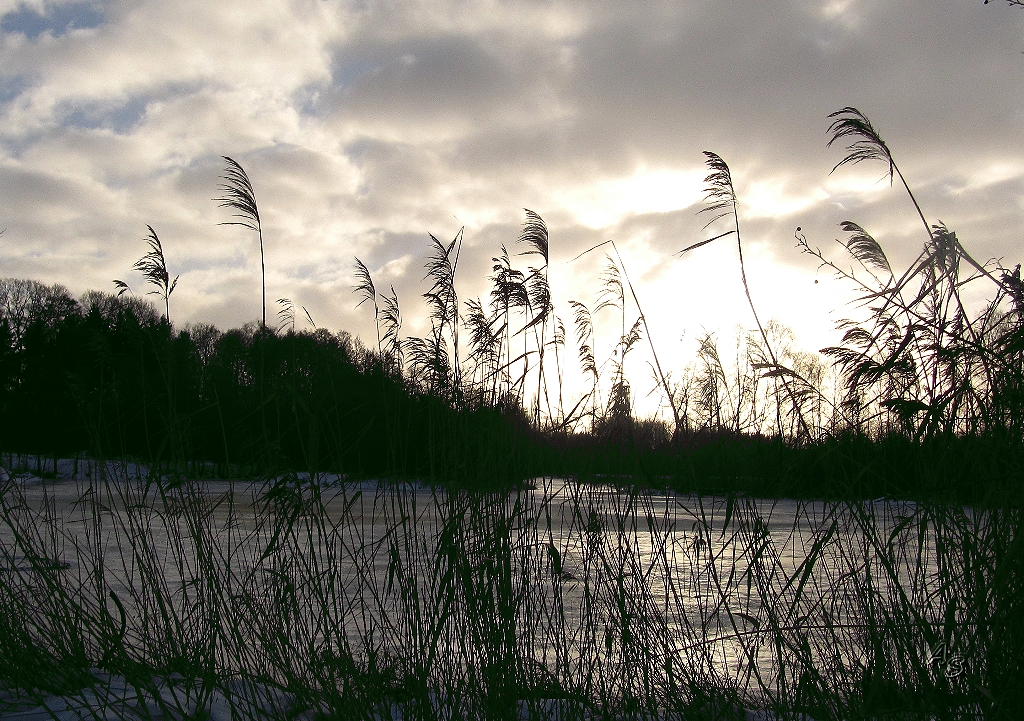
[
  {"x": 28, "y": 470},
  {"x": 113, "y": 698}
]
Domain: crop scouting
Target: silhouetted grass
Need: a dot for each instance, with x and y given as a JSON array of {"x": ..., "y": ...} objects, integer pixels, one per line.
[{"x": 352, "y": 600}]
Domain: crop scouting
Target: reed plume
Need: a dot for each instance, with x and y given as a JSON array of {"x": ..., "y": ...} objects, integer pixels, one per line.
[
  {"x": 367, "y": 293},
  {"x": 443, "y": 303},
  {"x": 153, "y": 266},
  {"x": 240, "y": 197},
  {"x": 588, "y": 364},
  {"x": 508, "y": 292},
  {"x": 485, "y": 343},
  {"x": 286, "y": 315},
  {"x": 391, "y": 319},
  {"x": 535, "y": 236}
]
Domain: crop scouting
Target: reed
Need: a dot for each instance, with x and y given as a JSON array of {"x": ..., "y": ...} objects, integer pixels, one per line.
[
  {"x": 240, "y": 197},
  {"x": 720, "y": 196},
  {"x": 921, "y": 364},
  {"x": 370, "y": 601},
  {"x": 154, "y": 268}
]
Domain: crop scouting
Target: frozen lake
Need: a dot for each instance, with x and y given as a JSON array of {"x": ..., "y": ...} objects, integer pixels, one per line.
[{"x": 576, "y": 577}]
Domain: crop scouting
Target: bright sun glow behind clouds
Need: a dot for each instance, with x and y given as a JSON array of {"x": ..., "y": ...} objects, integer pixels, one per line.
[
  {"x": 770, "y": 199},
  {"x": 607, "y": 202}
]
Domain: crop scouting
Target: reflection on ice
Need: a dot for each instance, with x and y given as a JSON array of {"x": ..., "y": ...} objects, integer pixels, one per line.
[{"x": 572, "y": 588}]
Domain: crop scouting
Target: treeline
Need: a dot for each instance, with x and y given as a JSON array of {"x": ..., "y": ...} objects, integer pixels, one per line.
[{"x": 109, "y": 377}]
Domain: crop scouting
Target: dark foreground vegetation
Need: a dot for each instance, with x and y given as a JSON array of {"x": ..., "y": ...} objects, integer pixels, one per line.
[
  {"x": 293, "y": 599},
  {"x": 894, "y": 611}
]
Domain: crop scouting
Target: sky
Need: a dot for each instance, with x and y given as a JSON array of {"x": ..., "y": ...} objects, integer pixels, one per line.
[{"x": 364, "y": 126}]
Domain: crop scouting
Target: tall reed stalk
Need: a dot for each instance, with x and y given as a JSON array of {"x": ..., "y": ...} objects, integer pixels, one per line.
[
  {"x": 721, "y": 196},
  {"x": 240, "y": 197},
  {"x": 642, "y": 319}
]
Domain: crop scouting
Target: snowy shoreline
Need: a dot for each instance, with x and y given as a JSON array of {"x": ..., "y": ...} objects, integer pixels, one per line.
[{"x": 113, "y": 697}]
